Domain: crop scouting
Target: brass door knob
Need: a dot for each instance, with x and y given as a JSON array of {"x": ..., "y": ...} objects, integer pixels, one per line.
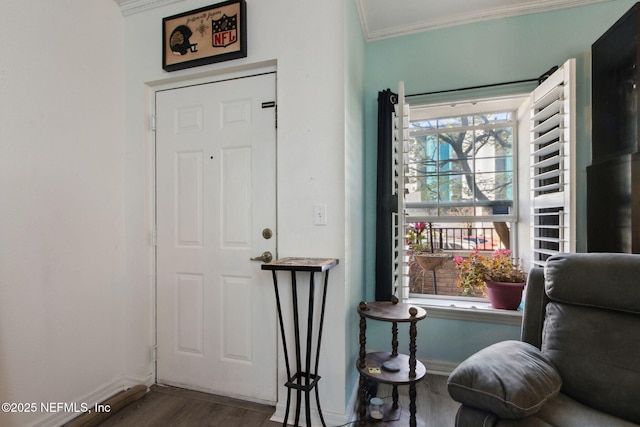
[{"x": 265, "y": 257}]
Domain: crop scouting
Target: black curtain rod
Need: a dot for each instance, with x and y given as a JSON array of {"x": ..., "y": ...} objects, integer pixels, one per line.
[
  {"x": 474, "y": 87},
  {"x": 540, "y": 79}
]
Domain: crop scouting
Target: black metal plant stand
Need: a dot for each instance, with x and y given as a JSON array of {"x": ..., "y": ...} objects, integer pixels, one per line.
[{"x": 303, "y": 381}]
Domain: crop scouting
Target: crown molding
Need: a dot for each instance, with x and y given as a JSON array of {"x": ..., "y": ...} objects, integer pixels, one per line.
[
  {"x": 131, "y": 7},
  {"x": 528, "y": 7}
]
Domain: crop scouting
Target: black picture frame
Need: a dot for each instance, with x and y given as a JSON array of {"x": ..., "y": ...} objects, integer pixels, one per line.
[{"x": 204, "y": 36}]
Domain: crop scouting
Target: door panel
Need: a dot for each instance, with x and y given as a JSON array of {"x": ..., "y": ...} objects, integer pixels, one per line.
[{"x": 215, "y": 165}]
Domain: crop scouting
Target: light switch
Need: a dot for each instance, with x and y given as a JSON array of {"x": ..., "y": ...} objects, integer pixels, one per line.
[{"x": 320, "y": 214}]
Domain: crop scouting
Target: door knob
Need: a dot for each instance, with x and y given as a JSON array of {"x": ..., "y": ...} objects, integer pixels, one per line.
[{"x": 265, "y": 257}]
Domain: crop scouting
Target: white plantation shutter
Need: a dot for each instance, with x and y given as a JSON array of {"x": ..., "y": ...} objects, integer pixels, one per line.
[
  {"x": 553, "y": 165},
  {"x": 400, "y": 144}
]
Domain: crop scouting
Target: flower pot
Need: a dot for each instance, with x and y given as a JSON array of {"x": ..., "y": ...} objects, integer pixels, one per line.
[
  {"x": 503, "y": 295},
  {"x": 431, "y": 262}
]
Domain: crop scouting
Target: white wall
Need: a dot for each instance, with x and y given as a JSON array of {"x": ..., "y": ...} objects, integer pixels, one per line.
[
  {"x": 304, "y": 41},
  {"x": 354, "y": 187},
  {"x": 76, "y": 264},
  {"x": 61, "y": 203}
]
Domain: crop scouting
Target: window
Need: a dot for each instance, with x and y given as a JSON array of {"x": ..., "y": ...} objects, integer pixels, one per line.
[
  {"x": 462, "y": 185},
  {"x": 460, "y": 167}
]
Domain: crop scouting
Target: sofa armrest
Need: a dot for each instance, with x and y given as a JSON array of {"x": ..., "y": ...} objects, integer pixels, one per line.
[
  {"x": 468, "y": 416},
  {"x": 535, "y": 303}
]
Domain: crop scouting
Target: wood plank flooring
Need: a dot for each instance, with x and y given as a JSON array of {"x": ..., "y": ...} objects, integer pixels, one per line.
[
  {"x": 175, "y": 407},
  {"x": 169, "y": 406},
  {"x": 435, "y": 408}
]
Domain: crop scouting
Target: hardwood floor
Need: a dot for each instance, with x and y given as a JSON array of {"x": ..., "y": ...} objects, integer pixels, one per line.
[
  {"x": 435, "y": 408},
  {"x": 175, "y": 407},
  {"x": 169, "y": 406}
]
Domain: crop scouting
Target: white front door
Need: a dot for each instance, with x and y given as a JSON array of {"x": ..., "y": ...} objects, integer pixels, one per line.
[{"x": 216, "y": 194}]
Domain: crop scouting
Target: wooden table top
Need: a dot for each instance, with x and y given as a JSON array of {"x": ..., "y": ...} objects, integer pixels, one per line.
[
  {"x": 390, "y": 312},
  {"x": 301, "y": 264}
]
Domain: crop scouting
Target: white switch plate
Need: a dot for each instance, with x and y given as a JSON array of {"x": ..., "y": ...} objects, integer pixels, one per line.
[{"x": 320, "y": 214}]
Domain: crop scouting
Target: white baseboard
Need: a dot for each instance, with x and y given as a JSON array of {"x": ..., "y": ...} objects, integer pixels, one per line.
[
  {"x": 330, "y": 418},
  {"x": 352, "y": 405},
  {"x": 131, "y": 380},
  {"x": 99, "y": 395},
  {"x": 439, "y": 367}
]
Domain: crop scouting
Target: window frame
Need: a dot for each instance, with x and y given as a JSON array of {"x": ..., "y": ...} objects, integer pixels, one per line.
[
  {"x": 445, "y": 307},
  {"x": 475, "y": 106}
]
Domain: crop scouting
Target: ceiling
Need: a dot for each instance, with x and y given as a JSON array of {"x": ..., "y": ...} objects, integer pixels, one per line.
[
  {"x": 391, "y": 18},
  {"x": 383, "y": 19}
]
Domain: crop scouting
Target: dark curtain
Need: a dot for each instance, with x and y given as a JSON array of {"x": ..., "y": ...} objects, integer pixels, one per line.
[{"x": 386, "y": 203}]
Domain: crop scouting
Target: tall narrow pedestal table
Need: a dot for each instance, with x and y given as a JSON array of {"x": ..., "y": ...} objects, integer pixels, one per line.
[{"x": 307, "y": 379}]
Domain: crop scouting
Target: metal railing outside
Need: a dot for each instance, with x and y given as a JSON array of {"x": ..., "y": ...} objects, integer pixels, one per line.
[{"x": 465, "y": 238}]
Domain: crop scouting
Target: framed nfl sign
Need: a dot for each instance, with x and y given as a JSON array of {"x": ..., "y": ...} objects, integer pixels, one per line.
[{"x": 203, "y": 36}]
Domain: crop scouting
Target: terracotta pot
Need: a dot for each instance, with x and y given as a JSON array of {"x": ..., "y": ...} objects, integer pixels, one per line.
[
  {"x": 503, "y": 295},
  {"x": 431, "y": 262}
]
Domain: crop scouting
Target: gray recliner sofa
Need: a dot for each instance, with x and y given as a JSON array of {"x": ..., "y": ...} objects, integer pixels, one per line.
[{"x": 578, "y": 363}]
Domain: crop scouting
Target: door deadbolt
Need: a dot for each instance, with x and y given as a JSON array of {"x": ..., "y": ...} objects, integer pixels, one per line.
[{"x": 267, "y": 233}]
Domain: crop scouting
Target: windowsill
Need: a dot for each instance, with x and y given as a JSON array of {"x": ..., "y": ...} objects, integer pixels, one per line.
[{"x": 468, "y": 309}]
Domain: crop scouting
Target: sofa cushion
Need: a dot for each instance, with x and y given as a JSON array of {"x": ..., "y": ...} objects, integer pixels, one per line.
[
  {"x": 566, "y": 412},
  {"x": 512, "y": 379},
  {"x": 596, "y": 352},
  {"x": 595, "y": 280},
  {"x": 559, "y": 411}
]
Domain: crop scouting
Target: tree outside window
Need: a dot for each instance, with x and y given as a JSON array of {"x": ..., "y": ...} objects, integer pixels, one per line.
[{"x": 461, "y": 177}]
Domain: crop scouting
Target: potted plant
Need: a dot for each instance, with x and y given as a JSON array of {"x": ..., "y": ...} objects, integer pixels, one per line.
[
  {"x": 497, "y": 275},
  {"x": 420, "y": 241},
  {"x": 417, "y": 238}
]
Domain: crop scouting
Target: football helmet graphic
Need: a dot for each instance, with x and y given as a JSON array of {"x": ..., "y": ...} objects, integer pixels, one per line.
[{"x": 179, "y": 41}]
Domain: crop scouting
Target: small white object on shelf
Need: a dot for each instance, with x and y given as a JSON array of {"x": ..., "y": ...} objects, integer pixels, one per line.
[{"x": 375, "y": 408}]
